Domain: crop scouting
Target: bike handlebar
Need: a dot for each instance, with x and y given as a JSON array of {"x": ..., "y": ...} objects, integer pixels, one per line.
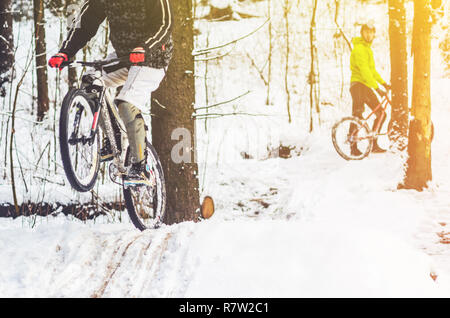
[{"x": 96, "y": 64}]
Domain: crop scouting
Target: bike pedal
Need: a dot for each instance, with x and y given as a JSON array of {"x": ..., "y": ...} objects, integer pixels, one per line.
[{"x": 136, "y": 184}]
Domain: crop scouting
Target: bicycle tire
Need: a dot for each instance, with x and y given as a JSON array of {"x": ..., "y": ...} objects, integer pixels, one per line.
[
  {"x": 158, "y": 197},
  {"x": 360, "y": 126},
  {"x": 79, "y": 184}
]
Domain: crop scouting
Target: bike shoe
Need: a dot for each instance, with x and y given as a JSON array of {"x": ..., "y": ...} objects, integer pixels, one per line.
[
  {"x": 355, "y": 151},
  {"x": 377, "y": 149},
  {"x": 139, "y": 175},
  {"x": 106, "y": 153}
]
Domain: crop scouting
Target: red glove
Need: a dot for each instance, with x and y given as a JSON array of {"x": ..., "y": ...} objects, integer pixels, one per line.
[
  {"x": 137, "y": 55},
  {"x": 57, "y": 59}
]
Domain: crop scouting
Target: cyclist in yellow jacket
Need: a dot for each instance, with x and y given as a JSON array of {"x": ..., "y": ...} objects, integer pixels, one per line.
[{"x": 365, "y": 79}]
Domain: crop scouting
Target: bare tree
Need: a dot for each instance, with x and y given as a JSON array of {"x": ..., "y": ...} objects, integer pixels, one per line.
[
  {"x": 314, "y": 71},
  {"x": 269, "y": 71},
  {"x": 418, "y": 166},
  {"x": 6, "y": 37},
  {"x": 41, "y": 59},
  {"x": 399, "y": 72},
  {"x": 177, "y": 95},
  {"x": 286, "y": 10}
]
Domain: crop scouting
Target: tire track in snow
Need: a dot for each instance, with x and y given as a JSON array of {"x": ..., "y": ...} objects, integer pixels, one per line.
[
  {"x": 150, "y": 269},
  {"x": 140, "y": 257},
  {"x": 113, "y": 266}
]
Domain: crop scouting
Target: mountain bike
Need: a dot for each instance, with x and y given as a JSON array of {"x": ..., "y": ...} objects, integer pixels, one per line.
[
  {"x": 82, "y": 108},
  {"x": 355, "y": 132}
]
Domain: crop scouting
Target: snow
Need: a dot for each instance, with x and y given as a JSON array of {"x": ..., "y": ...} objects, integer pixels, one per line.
[
  {"x": 313, "y": 225},
  {"x": 331, "y": 229}
]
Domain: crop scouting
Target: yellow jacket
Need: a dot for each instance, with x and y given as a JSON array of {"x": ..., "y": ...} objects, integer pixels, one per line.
[{"x": 362, "y": 64}]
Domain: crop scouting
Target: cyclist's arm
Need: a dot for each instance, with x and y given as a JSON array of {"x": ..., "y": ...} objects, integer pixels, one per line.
[
  {"x": 362, "y": 62},
  {"x": 84, "y": 27},
  {"x": 378, "y": 77},
  {"x": 161, "y": 12}
]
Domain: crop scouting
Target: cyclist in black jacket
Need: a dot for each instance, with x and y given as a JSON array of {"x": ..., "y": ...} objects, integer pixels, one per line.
[{"x": 141, "y": 29}]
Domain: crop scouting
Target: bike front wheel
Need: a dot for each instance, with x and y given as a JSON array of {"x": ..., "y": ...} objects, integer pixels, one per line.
[
  {"x": 352, "y": 139},
  {"x": 79, "y": 150},
  {"x": 146, "y": 205}
]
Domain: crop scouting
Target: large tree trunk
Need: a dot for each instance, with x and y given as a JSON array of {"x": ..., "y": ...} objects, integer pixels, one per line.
[
  {"x": 418, "y": 171},
  {"x": 6, "y": 37},
  {"x": 177, "y": 93},
  {"x": 41, "y": 59},
  {"x": 399, "y": 72}
]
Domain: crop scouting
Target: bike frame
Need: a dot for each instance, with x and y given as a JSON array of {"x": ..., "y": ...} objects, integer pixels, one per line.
[
  {"x": 103, "y": 109},
  {"x": 382, "y": 105},
  {"x": 385, "y": 102}
]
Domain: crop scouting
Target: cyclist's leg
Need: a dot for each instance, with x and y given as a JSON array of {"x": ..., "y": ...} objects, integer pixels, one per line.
[
  {"x": 357, "y": 111},
  {"x": 373, "y": 102},
  {"x": 357, "y": 92},
  {"x": 132, "y": 99},
  {"x": 136, "y": 130}
]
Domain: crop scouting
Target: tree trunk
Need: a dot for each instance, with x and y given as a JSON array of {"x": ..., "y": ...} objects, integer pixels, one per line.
[
  {"x": 418, "y": 170},
  {"x": 399, "y": 72},
  {"x": 314, "y": 98},
  {"x": 269, "y": 66},
  {"x": 177, "y": 94},
  {"x": 286, "y": 9},
  {"x": 41, "y": 59},
  {"x": 6, "y": 37}
]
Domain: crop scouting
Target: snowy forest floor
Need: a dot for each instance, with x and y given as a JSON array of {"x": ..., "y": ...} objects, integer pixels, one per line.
[{"x": 313, "y": 225}]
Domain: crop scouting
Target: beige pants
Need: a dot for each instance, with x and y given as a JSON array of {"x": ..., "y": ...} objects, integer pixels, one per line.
[{"x": 138, "y": 84}]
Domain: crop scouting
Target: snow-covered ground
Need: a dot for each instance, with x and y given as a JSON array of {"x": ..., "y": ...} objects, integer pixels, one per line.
[
  {"x": 313, "y": 225},
  {"x": 310, "y": 226}
]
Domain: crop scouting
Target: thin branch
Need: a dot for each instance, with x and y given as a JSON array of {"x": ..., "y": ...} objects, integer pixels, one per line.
[
  {"x": 207, "y": 50},
  {"x": 222, "y": 103},
  {"x": 215, "y": 57},
  {"x": 260, "y": 72},
  {"x": 218, "y": 115}
]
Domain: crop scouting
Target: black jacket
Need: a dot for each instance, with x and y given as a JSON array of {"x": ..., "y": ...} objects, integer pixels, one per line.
[{"x": 132, "y": 23}]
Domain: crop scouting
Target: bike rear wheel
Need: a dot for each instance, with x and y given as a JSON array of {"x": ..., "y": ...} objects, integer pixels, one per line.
[
  {"x": 79, "y": 153},
  {"x": 352, "y": 139},
  {"x": 146, "y": 205}
]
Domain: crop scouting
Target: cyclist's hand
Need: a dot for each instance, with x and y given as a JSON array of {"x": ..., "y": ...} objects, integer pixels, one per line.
[
  {"x": 381, "y": 92},
  {"x": 387, "y": 86},
  {"x": 56, "y": 60},
  {"x": 137, "y": 55}
]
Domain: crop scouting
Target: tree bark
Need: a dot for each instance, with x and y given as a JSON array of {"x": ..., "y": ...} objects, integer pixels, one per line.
[
  {"x": 286, "y": 9},
  {"x": 399, "y": 72},
  {"x": 418, "y": 170},
  {"x": 314, "y": 98},
  {"x": 41, "y": 59},
  {"x": 177, "y": 94},
  {"x": 6, "y": 37},
  {"x": 269, "y": 66}
]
